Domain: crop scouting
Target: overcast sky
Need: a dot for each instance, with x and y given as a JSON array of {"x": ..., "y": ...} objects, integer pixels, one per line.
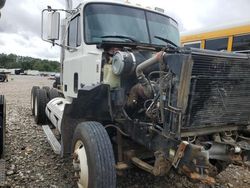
[{"x": 20, "y": 21}]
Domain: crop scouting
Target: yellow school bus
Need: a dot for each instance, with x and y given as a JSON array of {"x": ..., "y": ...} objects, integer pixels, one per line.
[{"x": 232, "y": 37}]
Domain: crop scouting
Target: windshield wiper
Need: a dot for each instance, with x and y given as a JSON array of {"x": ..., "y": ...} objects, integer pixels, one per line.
[
  {"x": 120, "y": 37},
  {"x": 167, "y": 41}
]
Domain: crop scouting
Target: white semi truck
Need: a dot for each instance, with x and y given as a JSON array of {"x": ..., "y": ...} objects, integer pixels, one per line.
[{"x": 130, "y": 96}]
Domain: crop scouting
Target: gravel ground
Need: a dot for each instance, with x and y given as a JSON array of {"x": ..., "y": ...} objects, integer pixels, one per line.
[{"x": 32, "y": 163}]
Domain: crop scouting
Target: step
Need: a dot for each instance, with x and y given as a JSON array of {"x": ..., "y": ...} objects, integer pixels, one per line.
[
  {"x": 56, "y": 146},
  {"x": 2, "y": 172}
]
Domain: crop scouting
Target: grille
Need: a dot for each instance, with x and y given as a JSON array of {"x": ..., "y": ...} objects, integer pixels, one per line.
[{"x": 219, "y": 92}]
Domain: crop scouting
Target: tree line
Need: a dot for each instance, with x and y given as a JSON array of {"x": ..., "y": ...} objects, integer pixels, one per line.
[{"x": 13, "y": 61}]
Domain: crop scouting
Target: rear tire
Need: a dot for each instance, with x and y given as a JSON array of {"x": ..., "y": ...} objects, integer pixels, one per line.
[
  {"x": 46, "y": 88},
  {"x": 53, "y": 93},
  {"x": 32, "y": 100},
  {"x": 93, "y": 156},
  {"x": 39, "y": 106}
]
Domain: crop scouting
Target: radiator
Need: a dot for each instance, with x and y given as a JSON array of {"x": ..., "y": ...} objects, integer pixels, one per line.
[{"x": 219, "y": 90}]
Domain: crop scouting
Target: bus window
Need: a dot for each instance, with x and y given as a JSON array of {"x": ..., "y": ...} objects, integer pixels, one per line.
[
  {"x": 193, "y": 45},
  {"x": 216, "y": 44},
  {"x": 241, "y": 43}
]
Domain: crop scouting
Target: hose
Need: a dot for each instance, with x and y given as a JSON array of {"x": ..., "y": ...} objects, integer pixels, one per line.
[{"x": 117, "y": 128}]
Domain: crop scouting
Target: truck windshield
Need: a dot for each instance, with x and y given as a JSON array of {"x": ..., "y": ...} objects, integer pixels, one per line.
[{"x": 122, "y": 23}]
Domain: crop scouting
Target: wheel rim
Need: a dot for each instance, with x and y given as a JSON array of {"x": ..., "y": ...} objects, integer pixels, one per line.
[
  {"x": 35, "y": 106},
  {"x": 80, "y": 164}
]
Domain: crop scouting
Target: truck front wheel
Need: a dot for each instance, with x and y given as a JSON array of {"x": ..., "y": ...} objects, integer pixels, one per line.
[
  {"x": 53, "y": 93},
  {"x": 93, "y": 157}
]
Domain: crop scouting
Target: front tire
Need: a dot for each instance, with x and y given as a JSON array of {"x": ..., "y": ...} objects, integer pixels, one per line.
[{"x": 93, "y": 155}]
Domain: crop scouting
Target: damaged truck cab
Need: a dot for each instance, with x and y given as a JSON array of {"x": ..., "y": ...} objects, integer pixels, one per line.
[{"x": 132, "y": 97}]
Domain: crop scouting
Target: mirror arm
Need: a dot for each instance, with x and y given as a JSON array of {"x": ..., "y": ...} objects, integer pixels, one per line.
[
  {"x": 61, "y": 45},
  {"x": 70, "y": 11}
]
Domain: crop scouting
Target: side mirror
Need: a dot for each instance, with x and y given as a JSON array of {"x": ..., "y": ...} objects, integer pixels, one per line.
[{"x": 50, "y": 25}]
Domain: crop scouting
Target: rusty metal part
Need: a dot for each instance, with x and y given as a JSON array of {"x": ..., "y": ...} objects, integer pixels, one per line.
[
  {"x": 162, "y": 165},
  {"x": 143, "y": 165},
  {"x": 179, "y": 153},
  {"x": 135, "y": 92},
  {"x": 200, "y": 174},
  {"x": 193, "y": 161},
  {"x": 236, "y": 158},
  {"x": 200, "y": 177},
  {"x": 217, "y": 137},
  {"x": 121, "y": 166},
  {"x": 129, "y": 154}
]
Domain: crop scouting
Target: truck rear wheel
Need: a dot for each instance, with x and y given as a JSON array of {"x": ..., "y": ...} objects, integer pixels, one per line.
[
  {"x": 93, "y": 157},
  {"x": 39, "y": 106},
  {"x": 46, "y": 88},
  {"x": 53, "y": 93},
  {"x": 32, "y": 99}
]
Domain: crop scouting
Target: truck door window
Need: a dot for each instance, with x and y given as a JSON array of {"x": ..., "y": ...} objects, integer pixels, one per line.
[{"x": 74, "y": 32}]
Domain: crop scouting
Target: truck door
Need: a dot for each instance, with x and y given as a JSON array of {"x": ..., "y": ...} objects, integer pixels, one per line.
[{"x": 82, "y": 63}]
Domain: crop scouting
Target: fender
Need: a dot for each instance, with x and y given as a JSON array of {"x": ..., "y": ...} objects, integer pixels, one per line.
[{"x": 93, "y": 103}]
